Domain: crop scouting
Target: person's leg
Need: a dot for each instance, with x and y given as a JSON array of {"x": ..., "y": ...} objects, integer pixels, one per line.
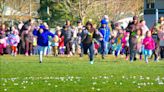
[
  {"x": 134, "y": 57},
  {"x": 73, "y": 46},
  {"x": 70, "y": 46},
  {"x": 31, "y": 48},
  {"x": 1, "y": 49},
  {"x": 162, "y": 52},
  {"x": 56, "y": 47},
  {"x": 45, "y": 50},
  {"x": 15, "y": 49},
  {"x": 146, "y": 55},
  {"x": 131, "y": 55},
  {"x": 67, "y": 48},
  {"x": 91, "y": 53},
  {"x": 140, "y": 55},
  {"x": 118, "y": 49},
  {"x": 82, "y": 50},
  {"x": 102, "y": 49},
  {"x": 106, "y": 48},
  {"x": 41, "y": 49},
  {"x": 150, "y": 53},
  {"x": 127, "y": 52},
  {"x": 85, "y": 48},
  {"x": 12, "y": 50},
  {"x": 26, "y": 47},
  {"x": 53, "y": 48},
  {"x": 156, "y": 55}
]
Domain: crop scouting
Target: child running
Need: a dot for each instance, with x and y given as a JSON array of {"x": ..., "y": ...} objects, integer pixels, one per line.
[
  {"x": 42, "y": 40},
  {"x": 88, "y": 34},
  {"x": 13, "y": 41},
  {"x": 149, "y": 45}
]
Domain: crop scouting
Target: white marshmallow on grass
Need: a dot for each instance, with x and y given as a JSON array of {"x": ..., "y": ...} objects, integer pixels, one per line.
[
  {"x": 98, "y": 89},
  {"x": 45, "y": 81},
  {"x": 24, "y": 87},
  {"x": 103, "y": 83},
  {"x": 93, "y": 88},
  {"x": 5, "y": 80},
  {"x": 5, "y": 89},
  {"x": 134, "y": 77},
  {"x": 94, "y": 83},
  {"x": 49, "y": 84},
  {"x": 160, "y": 82},
  {"x": 3, "y": 84},
  {"x": 134, "y": 82},
  {"x": 15, "y": 84},
  {"x": 148, "y": 78},
  {"x": 31, "y": 83},
  {"x": 26, "y": 81},
  {"x": 56, "y": 86}
]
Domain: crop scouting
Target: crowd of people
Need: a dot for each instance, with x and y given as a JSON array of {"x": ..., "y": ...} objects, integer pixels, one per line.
[{"x": 36, "y": 38}]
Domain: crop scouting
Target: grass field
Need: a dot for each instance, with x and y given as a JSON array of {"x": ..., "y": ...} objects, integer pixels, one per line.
[{"x": 74, "y": 74}]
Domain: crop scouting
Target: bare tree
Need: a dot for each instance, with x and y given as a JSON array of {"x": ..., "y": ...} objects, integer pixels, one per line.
[{"x": 2, "y": 5}]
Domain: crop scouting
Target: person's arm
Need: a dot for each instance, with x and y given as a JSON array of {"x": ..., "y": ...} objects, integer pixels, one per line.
[
  {"x": 84, "y": 34},
  {"x": 35, "y": 32},
  {"x": 50, "y": 34},
  {"x": 97, "y": 35}
]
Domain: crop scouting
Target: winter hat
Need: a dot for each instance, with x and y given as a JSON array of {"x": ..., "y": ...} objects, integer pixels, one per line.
[
  {"x": 42, "y": 27},
  {"x": 104, "y": 21}
]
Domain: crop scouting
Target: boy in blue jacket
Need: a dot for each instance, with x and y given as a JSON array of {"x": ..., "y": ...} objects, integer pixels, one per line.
[
  {"x": 42, "y": 39},
  {"x": 105, "y": 31}
]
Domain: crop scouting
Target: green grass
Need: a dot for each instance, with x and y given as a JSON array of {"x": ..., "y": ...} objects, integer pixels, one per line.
[{"x": 74, "y": 74}]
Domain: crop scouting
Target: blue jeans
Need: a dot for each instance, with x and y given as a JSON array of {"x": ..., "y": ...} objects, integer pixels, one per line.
[
  {"x": 132, "y": 55},
  {"x": 41, "y": 50},
  {"x": 104, "y": 47},
  {"x": 85, "y": 48}
]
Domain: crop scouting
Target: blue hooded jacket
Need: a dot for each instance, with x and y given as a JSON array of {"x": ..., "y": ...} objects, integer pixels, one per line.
[
  {"x": 42, "y": 39},
  {"x": 105, "y": 31}
]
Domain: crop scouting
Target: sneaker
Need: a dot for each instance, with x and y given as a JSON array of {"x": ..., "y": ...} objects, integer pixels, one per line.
[
  {"x": 135, "y": 58},
  {"x": 126, "y": 58},
  {"x": 91, "y": 62},
  {"x": 26, "y": 53},
  {"x": 156, "y": 60},
  {"x": 12, "y": 54},
  {"x": 71, "y": 54},
  {"x": 68, "y": 55},
  {"x": 30, "y": 54},
  {"x": 103, "y": 57},
  {"x": 15, "y": 54},
  {"x": 147, "y": 61},
  {"x": 140, "y": 57}
]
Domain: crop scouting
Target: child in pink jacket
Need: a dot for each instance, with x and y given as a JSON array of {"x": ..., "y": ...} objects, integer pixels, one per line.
[
  {"x": 125, "y": 44},
  {"x": 149, "y": 45}
]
